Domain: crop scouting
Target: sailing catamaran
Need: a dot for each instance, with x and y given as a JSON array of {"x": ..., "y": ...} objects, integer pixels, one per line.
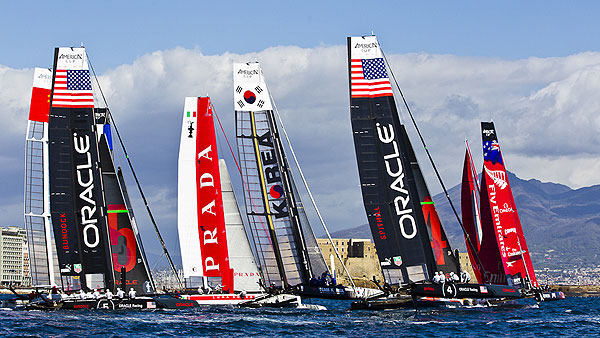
[
  {"x": 288, "y": 254},
  {"x": 218, "y": 263},
  {"x": 411, "y": 243},
  {"x": 501, "y": 243},
  {"x": 82, "y": 233},
  {"x": 215, "y": 250}
]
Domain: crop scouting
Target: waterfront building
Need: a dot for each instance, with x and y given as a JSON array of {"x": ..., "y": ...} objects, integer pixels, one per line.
[{"x": 14, "y": 256}]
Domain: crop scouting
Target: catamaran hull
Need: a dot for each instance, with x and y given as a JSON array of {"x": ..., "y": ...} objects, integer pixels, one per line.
[
  {"x": 141, "y": 303},
  {"x": 283, "y": 300},
  {"x": 219, "y": 299},
  {"x": 553, "y": 295},
  {"x": 449, "y": 290},
  {"x": 332, "y": 292}
]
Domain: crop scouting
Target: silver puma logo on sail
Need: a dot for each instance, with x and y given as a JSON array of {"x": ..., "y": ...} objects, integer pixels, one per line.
[{"x": 498, "y": 176}]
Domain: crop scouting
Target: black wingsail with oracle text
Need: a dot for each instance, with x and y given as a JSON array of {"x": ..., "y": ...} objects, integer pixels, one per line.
[
  {"x": 76, "y": 200},
  {"x": 388, "y": 185}
]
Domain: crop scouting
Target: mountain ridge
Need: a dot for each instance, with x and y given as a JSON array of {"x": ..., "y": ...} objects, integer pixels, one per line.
[{"x": 561, "y": 225}]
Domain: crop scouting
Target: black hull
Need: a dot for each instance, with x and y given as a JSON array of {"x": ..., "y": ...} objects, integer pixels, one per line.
[
  {"x": 458, "y": 290},
  {"x": 142, "y": 303},
  {"x": 325, "y": 292},
  {"x": 383, "y": 304}
]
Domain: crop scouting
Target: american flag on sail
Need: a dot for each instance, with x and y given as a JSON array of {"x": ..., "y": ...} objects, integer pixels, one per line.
[
  {"x": 73, "y": 88},
  {"x": 368, "y": 78}
]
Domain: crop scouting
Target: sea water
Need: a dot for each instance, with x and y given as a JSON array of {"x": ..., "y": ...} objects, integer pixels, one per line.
[{"x": 572, "y": 317}]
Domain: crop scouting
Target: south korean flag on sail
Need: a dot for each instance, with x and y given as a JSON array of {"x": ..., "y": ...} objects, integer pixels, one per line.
[{"x": 249, "y": 88}]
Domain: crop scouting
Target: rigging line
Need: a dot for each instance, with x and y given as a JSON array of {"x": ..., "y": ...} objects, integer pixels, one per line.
[
  {"x": 226, "y": 139},
  {"x": 308, "y": 189},
  {"x": 162, "y": 242},
  {"x": 473, "y": 168},
  {"x": 437, "y": 173},
  {"x": 96, "y": 78},
  {"x": 114, "y": 124},
  {"x": 244, "y": 183}
]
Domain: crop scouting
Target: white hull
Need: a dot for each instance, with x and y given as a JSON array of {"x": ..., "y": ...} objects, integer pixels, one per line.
[
  {"x": 220, "y": 299},
  {"x": 283, "y": 300}
]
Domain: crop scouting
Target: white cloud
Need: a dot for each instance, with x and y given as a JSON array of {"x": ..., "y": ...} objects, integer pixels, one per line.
[{"x": 546, "y": 112}]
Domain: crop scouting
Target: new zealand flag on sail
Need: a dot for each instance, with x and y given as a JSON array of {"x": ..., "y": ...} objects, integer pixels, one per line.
[{"x": 491, "y": 152}]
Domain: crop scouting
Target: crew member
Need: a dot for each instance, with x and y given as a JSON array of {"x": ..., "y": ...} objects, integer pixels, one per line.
[
  {"x": 436, "y": 278},
  {"x": 132, "y": 293},
  {"x": 442, "y": 277},
  {"x": 96, "y": 294},
  {"x": 465, "y": 276},
  {"x": 109, "y": 295},
  {"x": 120, "y": 293}
]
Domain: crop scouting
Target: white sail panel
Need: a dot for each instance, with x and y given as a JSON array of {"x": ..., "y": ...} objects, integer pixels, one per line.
[
  {"x": 40, "y": 238},
  {"x": 241, "y": 259},
  {"x": 249, "y": 88},
  {"x": 72, "y": 58},
  {"x": 364, "y": 47},
  {"x": 187, "y": 209}
]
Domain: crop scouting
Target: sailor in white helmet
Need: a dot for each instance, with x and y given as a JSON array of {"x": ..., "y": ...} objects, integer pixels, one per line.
[
  {"x": 96, "y": 294},
  {"x": 454, "y": 277},
  {"x": 109, "y": 294},
  {"x": 120, "y": 293},
  {"x": 132, "y": 293},
  {"x": 436, "y": 277},
  {"x": 465, "y": 276},
  {"x": 442, "y": 277}
]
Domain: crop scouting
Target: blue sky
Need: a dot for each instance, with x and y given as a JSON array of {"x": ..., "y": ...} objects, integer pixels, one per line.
[
  {"x": 117, "y": 32},
  {"x": 533, "y": 67}
]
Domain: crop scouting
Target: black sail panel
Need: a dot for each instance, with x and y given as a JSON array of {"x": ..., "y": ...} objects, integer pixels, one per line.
[
  {"x": 126, "y": 253},
  {"x": 444, "y": 257},
  {"x": 74, "y": 157},
  {"x": 62, "y": 204},
  {"x": 389, "y": 193}
]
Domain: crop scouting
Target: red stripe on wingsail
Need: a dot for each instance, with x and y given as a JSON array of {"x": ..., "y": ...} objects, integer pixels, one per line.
[
  {"x": 211, "y": 217},
  {"x": 72, "y": 106},
  {"x": 40, "y": 104},
  {"x": 468, "y": 218},
  {"x": 372, "y": 95}
]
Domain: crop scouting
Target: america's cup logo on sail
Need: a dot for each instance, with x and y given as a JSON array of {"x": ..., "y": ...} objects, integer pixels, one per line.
[
  {"x": 394, "y": 169},
  {"x": 85, "y": 180},
  {"x": 250, "y": 90},
  {"x": 71, "y": 58}
]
